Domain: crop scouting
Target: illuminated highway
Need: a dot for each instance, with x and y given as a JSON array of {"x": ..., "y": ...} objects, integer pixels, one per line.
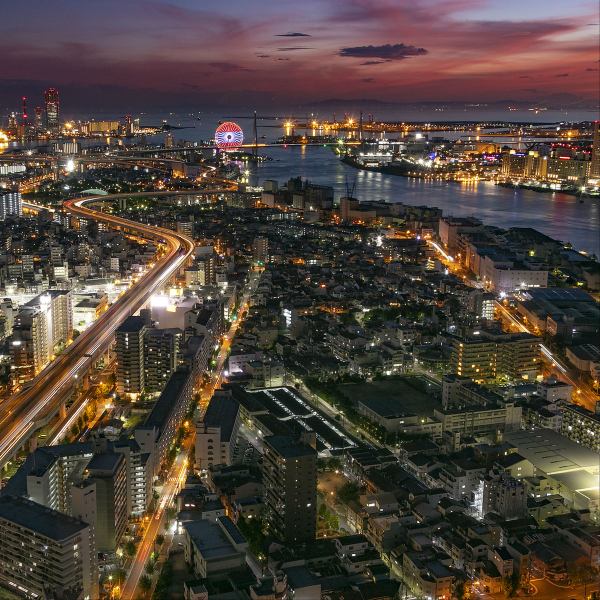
[{"x": 46, "y": 392}]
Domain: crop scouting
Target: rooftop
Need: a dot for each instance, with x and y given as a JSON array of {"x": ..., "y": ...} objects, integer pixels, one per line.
[
  {"x": 552, "y": 453},
  {"x": 222, "y": 412},
  {"x": 167, "y": 400},
  {"x": 210, "y": 538},
  {"x": 288, "y": 447},
  {"x": 131, "y": 325},
  {"x": 39, "y": 519}
]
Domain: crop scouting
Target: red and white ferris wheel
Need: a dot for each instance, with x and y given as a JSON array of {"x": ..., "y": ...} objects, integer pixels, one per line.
[{"x": 229, "y": 136}]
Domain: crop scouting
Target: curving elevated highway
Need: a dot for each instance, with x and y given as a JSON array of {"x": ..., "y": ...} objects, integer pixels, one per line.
[{"x": 21, "y": 414}]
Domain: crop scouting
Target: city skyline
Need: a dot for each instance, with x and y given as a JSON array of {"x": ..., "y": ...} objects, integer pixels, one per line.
[
  {"x": 176, "y": 54},
  {"x": 300, "y": 300}
]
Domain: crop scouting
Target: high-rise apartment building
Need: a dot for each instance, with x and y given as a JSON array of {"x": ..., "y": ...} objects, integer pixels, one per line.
[
  {"x": 28, "y": 346},
  {"x": 45, "y": 554},
  {"x": 57, "y": 306},
  {"x": 40, "y": 327},
  {"x": 52, "y": 102},
  {"x": 162, "y": 354},
  {"x": 290, "y": 481},
  {"x": 49, "y": 475},
  {"x": 108, "y": 471},
  {"x": 260, "y": 250},
  {"x": 11, "y": 204},
  {"x": 130, "y": 356},
  {"x": 216, "y": 433}
]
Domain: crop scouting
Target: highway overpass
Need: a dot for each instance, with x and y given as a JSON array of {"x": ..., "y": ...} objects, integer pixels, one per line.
[{"x": 25, "y": 412}]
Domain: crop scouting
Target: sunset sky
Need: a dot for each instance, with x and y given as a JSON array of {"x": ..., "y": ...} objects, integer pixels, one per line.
[{"x": 276, "y": 52}]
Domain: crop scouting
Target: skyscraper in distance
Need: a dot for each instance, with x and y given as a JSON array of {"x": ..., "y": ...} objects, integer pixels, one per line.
[
  {"x": 52, "y": 102},
  {"x": 39, "y": 118}
]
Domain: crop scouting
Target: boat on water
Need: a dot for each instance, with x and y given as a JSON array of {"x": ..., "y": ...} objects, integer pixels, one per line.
[{"x": 399, "y": 166}]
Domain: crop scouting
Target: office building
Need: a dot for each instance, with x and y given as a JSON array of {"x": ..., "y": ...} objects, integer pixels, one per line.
[
  {"x": 216, "y": 433},
  {"x": 45, "y": 554},
  {"x": 162, "y": 355},
  {"x": 52, "y": 103},
  {"x": 11, "y": 204},
  {"x": 130, "y": 357},
  {"x": 290, "y": 482}
]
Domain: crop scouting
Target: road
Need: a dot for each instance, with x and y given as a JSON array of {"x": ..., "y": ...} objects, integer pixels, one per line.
[
  {"x": 47, "y": 390},
  {"x": 178, "y": 472},
  {"x": 173, "y": 483},
  {"x": 583, "y": 394}
]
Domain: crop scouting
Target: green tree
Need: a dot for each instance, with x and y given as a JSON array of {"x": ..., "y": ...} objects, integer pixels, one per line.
[
  {"x": 348, "y": 492},
  {"x": 130, "y": 548},
  {"x": 149, "y": 568},
  {"x": 145, "y": 584},
  {"x": 160, "y": 539}
]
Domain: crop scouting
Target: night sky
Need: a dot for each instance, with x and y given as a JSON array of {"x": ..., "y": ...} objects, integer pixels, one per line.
[{"x": 109, "y": 53}]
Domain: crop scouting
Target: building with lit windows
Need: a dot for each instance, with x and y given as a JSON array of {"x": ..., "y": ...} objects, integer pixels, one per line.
[
  {"x": 48, "y": 474},
  {"x": 162, "y": 354},
  {"x": 582, "y": 425},
  {"x": 216, "y": 433},
  {"x": 485, "y": 356},
  {"x": 130, "y": 356},
  {"x": 45, "y": 554},
  {"x": 158, "y": 432},
  {"x": 565, "y": 169},
  {"x": 595, "y": 162},
  {"x": 57, "y": 307},
  {"x": 28, "y": 346},
  {"x": 107, "y": 471},
  {"x": 11, "y": 204},
  {"x": 290, "y": 480},
  {"x": 52, "y": 102},
  {"x": 260, "y": 250}
]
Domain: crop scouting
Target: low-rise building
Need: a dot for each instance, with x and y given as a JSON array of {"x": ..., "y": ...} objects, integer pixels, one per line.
[{"x": 213, "y": 546}]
